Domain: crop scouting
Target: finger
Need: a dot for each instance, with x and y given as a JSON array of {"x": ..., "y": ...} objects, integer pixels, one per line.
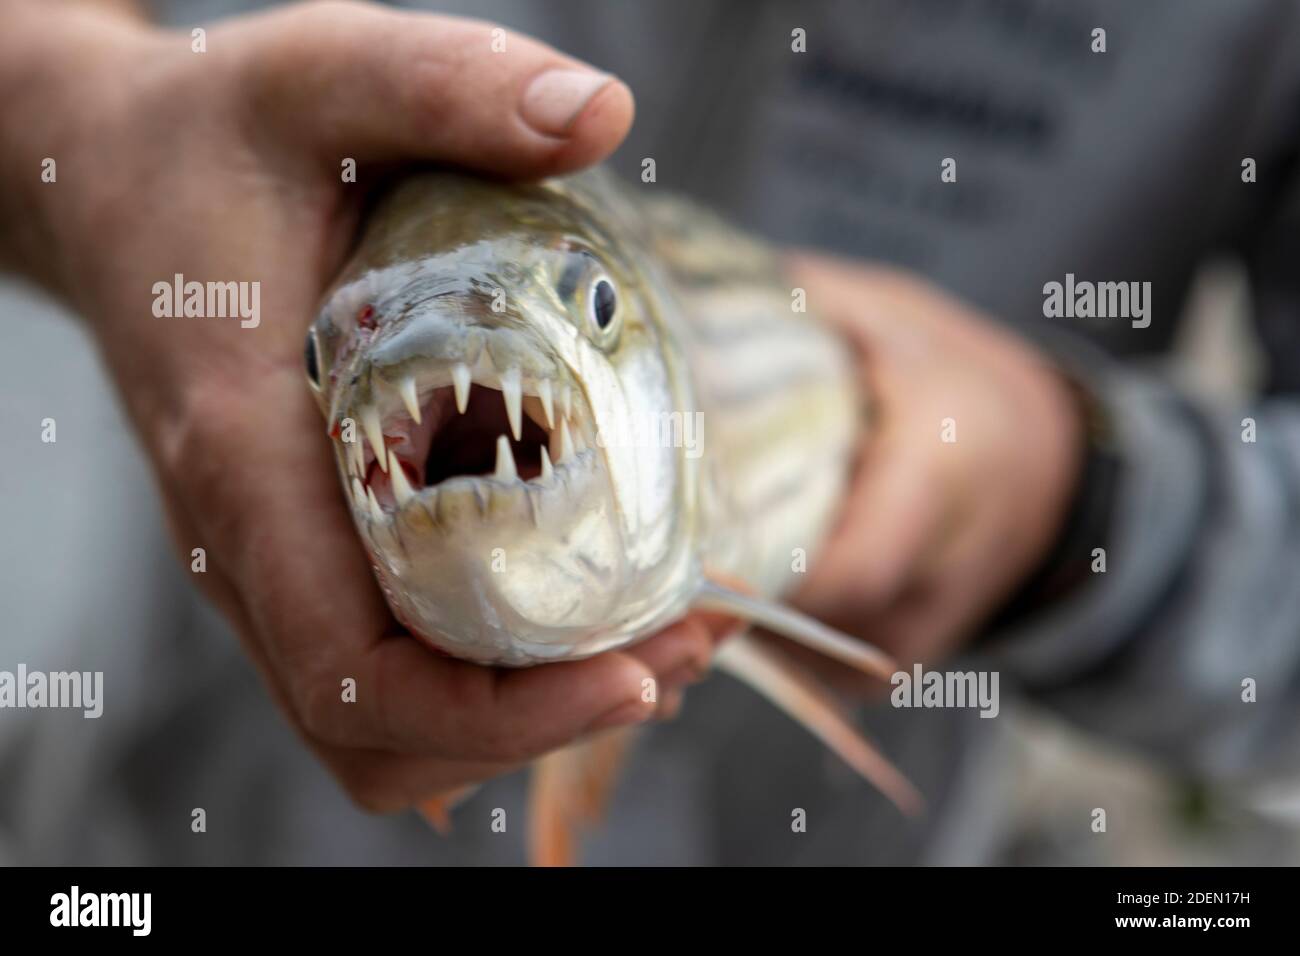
[
  {"x": 377, "y": 85},
  {"x": 385, "y": 783},
  {"x": 678, "y": 655},
  {"x": 409, "y": 700},
  {"x": 519, "y": 714},
  {"x": 719, "y": 625}
]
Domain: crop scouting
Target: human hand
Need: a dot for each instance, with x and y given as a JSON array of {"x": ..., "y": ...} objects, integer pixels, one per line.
[
  {"x": 936, "y": 534},
  {"x": 226, "y": 166}
]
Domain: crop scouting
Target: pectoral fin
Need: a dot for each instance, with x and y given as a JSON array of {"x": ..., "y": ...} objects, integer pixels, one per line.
[
  {"x": 796, "y": 691},
  {"x": 437, "y": 810},
  {"x": 796, "y": 627}
]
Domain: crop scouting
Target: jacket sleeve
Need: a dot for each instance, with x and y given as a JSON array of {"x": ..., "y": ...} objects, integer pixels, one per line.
[{"x": 1200, "y": 593}]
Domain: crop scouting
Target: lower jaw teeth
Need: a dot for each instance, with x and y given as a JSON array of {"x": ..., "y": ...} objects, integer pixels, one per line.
[
  {"x": 565, "y": 440},
  {"x": 505, "y": 467},
  {"x": 400, "y": 493},
  {"x": 402, "y": 490},
  {"x": 376, "y": 512}
]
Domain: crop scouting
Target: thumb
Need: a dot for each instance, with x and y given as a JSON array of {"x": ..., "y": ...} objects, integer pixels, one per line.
[{"x": 350, "y": 80}]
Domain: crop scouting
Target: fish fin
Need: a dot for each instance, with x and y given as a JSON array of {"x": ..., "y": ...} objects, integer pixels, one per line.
[
  {"x": 437, "y": 810},
  {"x": 437, "y": 813},
  {"x": 800, "y": 628},
  {"x": 569, "y": 791},
  {"x": 795, "y": 690}
]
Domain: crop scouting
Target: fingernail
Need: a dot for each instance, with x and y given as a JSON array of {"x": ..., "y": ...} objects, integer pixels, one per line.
[
  {"x": 632, "y": 712},
  {"x": 554, "y": 99}
]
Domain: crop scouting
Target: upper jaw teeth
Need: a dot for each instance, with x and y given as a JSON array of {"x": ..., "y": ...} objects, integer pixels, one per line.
[
  {"x": 512, "y": 392},
  {"x": 541, "y": 398},
  {"x": 548, "y": 401},
  {"x": 460, "y": 379},
  {"x": 374, "y": 434},
  {"x": 411, "y": 398}
]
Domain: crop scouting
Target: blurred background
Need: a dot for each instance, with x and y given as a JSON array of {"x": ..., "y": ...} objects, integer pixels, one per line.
[{"x": 1123, "y": 165}]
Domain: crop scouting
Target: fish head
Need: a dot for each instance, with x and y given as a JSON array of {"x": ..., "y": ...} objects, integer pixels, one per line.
[{"x": 487, "y": 365}]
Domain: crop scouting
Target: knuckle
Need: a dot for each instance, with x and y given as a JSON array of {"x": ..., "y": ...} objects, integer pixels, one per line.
[
  {"x": 286, "y": 38},
  {"x": 197, "y": 427},
  {"x": 315, "y": 705}
]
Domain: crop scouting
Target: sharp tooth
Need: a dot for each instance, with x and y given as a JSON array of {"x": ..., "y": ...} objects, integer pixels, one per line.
[
  {"x": 566, "y": 443},
  {"x": 376, "y": 512},
  {"x": 547, "y": 470},
  {"x": 460, "y": 380},
  {"x": 548, "y": 401},
  {"x": 359, "y": 453},
  {"x": 410, "y": 398},
  {"x": 359, "y": 492},
  {"x": 533, "y": 509},
  {"x": 375, "y": 433},
  {"x": 579, "y": 442},
  {"x": 513, "y": 393},
  {"x": 401, "y": 487},
  {"x": 566, "y": 401},
  {"x": 506, "y": 470}
]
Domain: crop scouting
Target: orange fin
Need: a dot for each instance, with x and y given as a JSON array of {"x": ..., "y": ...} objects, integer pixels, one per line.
[
  {"x": 795, "y": 690},
  {"x": 437, "y": 810},
  {"x": 569, "y": 791}
]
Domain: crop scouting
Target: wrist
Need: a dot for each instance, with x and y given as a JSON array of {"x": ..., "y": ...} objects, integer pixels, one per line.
[{"x": 1069, "y": 562}]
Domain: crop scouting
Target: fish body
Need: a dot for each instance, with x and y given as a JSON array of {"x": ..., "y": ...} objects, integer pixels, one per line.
[
  {"x": 569, "y": 404},
  {"x": 566, "y": 413}
]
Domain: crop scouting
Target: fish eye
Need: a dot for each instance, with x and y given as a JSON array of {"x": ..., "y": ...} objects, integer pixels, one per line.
[
  {"x": 602, "y": 306},
  {"x": 312, "y": 359}
]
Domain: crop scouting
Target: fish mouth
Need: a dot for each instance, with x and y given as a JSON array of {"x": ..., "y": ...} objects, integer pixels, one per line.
[{"x": 448, "y": 433}]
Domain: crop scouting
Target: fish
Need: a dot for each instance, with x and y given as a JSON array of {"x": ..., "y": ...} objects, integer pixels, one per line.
[{"x": 565, "y": 414}]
